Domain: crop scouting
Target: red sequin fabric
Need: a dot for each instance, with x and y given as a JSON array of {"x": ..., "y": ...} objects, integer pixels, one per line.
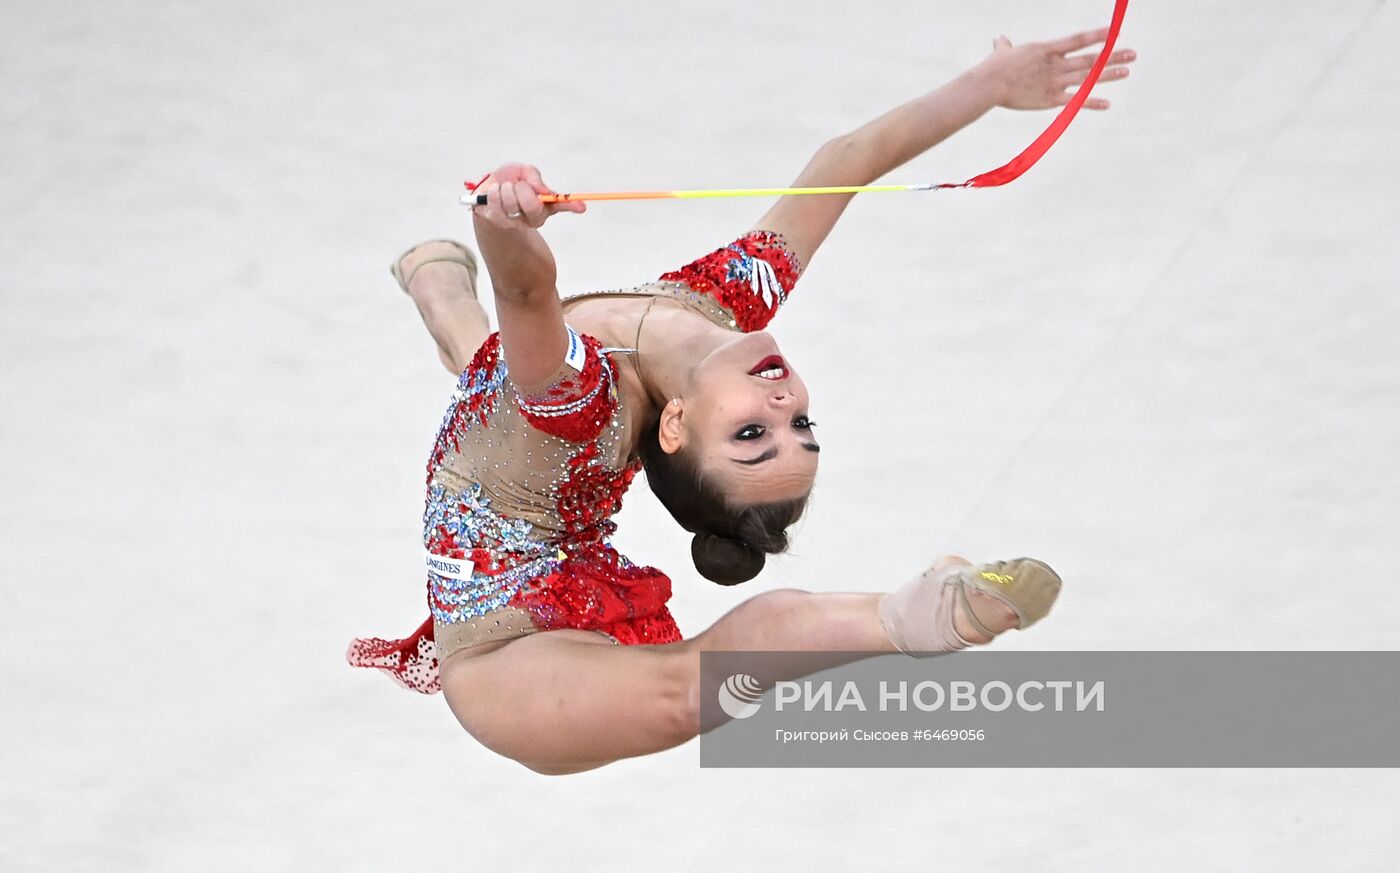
[
  {"x": 751, "y": 277},
  {"x": 523, "y": 486}
]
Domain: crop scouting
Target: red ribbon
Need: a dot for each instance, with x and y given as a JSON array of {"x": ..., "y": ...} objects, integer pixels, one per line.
[
  {"x": 1036, "y": 150},
  {"x": 1013, "y": 168}
]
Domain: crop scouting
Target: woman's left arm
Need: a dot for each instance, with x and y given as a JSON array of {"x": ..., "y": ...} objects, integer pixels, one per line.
[
  {"x": 1030, "y": 76},
  {"x": 534, "y": 339}
]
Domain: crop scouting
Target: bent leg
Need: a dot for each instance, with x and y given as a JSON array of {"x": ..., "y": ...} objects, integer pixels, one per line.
[
  {"x": 565, "y": 701},
  {"x": 569, "y": 700},
  {"x": 446, "y": 299}
]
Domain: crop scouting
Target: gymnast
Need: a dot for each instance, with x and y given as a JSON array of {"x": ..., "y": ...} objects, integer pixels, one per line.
[{"x": 549, "y": 646}]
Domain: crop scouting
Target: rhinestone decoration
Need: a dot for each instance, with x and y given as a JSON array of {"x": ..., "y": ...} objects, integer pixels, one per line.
[{"x": 525, "y": 485}]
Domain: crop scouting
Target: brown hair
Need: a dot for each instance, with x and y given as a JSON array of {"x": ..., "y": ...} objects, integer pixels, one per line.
[{"x": 731, "y": 543}]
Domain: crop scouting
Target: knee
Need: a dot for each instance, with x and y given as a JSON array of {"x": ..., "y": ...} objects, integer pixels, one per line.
[
  {"x": 773, "y": 608},
  {"x": 781, "y": 599}
]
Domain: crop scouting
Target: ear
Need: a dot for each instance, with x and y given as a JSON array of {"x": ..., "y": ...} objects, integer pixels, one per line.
[{"x": 670, "y": 430}]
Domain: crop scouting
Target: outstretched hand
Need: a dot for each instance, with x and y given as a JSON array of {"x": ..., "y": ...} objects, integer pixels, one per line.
[
  {"x": 513, "y": 198},
  {"x": 1043, "y": 75}
]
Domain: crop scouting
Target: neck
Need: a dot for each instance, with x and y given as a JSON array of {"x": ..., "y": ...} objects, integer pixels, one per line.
[{"x": 673, "y": 341}]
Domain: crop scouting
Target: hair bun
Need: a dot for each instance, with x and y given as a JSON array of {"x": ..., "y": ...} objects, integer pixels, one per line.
[{"x": 724, "y": 560}]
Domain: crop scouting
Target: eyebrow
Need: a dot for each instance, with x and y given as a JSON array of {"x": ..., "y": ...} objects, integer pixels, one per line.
[{"x": 771, "y": 454}]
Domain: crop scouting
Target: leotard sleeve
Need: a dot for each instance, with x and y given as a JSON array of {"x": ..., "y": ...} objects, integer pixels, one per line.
[
  {"x": 577, "y": 402},
  {"x": 751, "y": 277}
]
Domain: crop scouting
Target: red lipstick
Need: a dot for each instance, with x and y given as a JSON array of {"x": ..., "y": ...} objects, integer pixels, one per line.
[{"x": 772, "y": 362}]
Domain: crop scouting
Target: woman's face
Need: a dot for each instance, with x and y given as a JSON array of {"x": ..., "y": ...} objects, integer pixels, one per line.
[{"x": 744, "y": 415}]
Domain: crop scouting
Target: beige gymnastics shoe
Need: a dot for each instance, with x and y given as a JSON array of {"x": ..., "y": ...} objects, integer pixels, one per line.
[
  {"x": 1029, "y": 587},
  {"x": 466, "y": 258}
]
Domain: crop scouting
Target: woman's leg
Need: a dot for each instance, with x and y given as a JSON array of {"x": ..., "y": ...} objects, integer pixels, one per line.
[
  {"x": 565, "y": 701},
  {"x": 446, "y": 299}
]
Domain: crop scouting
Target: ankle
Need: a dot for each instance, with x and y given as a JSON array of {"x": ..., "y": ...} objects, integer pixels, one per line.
[{"x": 921, "y": 616}]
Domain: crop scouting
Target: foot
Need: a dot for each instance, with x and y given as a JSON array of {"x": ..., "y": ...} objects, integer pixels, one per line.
[
  {"x": 429, "y": 282},
  {"x": 992, "y": 613},
  {"x": 444, "y": 291}
]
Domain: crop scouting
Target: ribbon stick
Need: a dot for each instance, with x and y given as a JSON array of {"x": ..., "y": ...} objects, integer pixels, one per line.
[
  {"x": 703, "y": 193},
  {"x": 1007, "y": 172}
]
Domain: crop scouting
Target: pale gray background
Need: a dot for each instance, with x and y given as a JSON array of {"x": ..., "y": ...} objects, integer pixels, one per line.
[{"x": 1165, "y": 361}]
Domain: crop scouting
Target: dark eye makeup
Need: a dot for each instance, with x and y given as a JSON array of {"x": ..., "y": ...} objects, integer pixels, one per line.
[{"x": 754, "y": 431}]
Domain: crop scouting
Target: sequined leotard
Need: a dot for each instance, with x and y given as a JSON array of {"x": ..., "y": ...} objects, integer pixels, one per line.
[{"x": 523, "y": 482}]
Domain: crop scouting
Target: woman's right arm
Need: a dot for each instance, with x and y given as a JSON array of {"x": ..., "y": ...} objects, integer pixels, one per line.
[
  {"x": 1030, "y": 76},
  {"x": 534, "y": 340}
]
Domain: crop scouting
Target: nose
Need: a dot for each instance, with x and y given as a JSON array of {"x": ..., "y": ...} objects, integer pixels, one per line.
[{"x": 781, "y": 398}]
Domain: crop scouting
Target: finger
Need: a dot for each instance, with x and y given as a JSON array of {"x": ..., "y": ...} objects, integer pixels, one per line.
[
  {"x": 531, "y": 175},
  {"x": 490, "y": 210},
  {"x": 536, "y": 182},
  {"x": 570, "y": 206},
  {"x": 1111, "y": 74},
  {"x": 1084, "y": 62},
  {"x": 493, "y": 198},
  {"x": 1092, "y": 103},
  {"x": 1078, "y": 41},
  {"x": 530, "y": 205},
  {"x": 508, "y": 205}
]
